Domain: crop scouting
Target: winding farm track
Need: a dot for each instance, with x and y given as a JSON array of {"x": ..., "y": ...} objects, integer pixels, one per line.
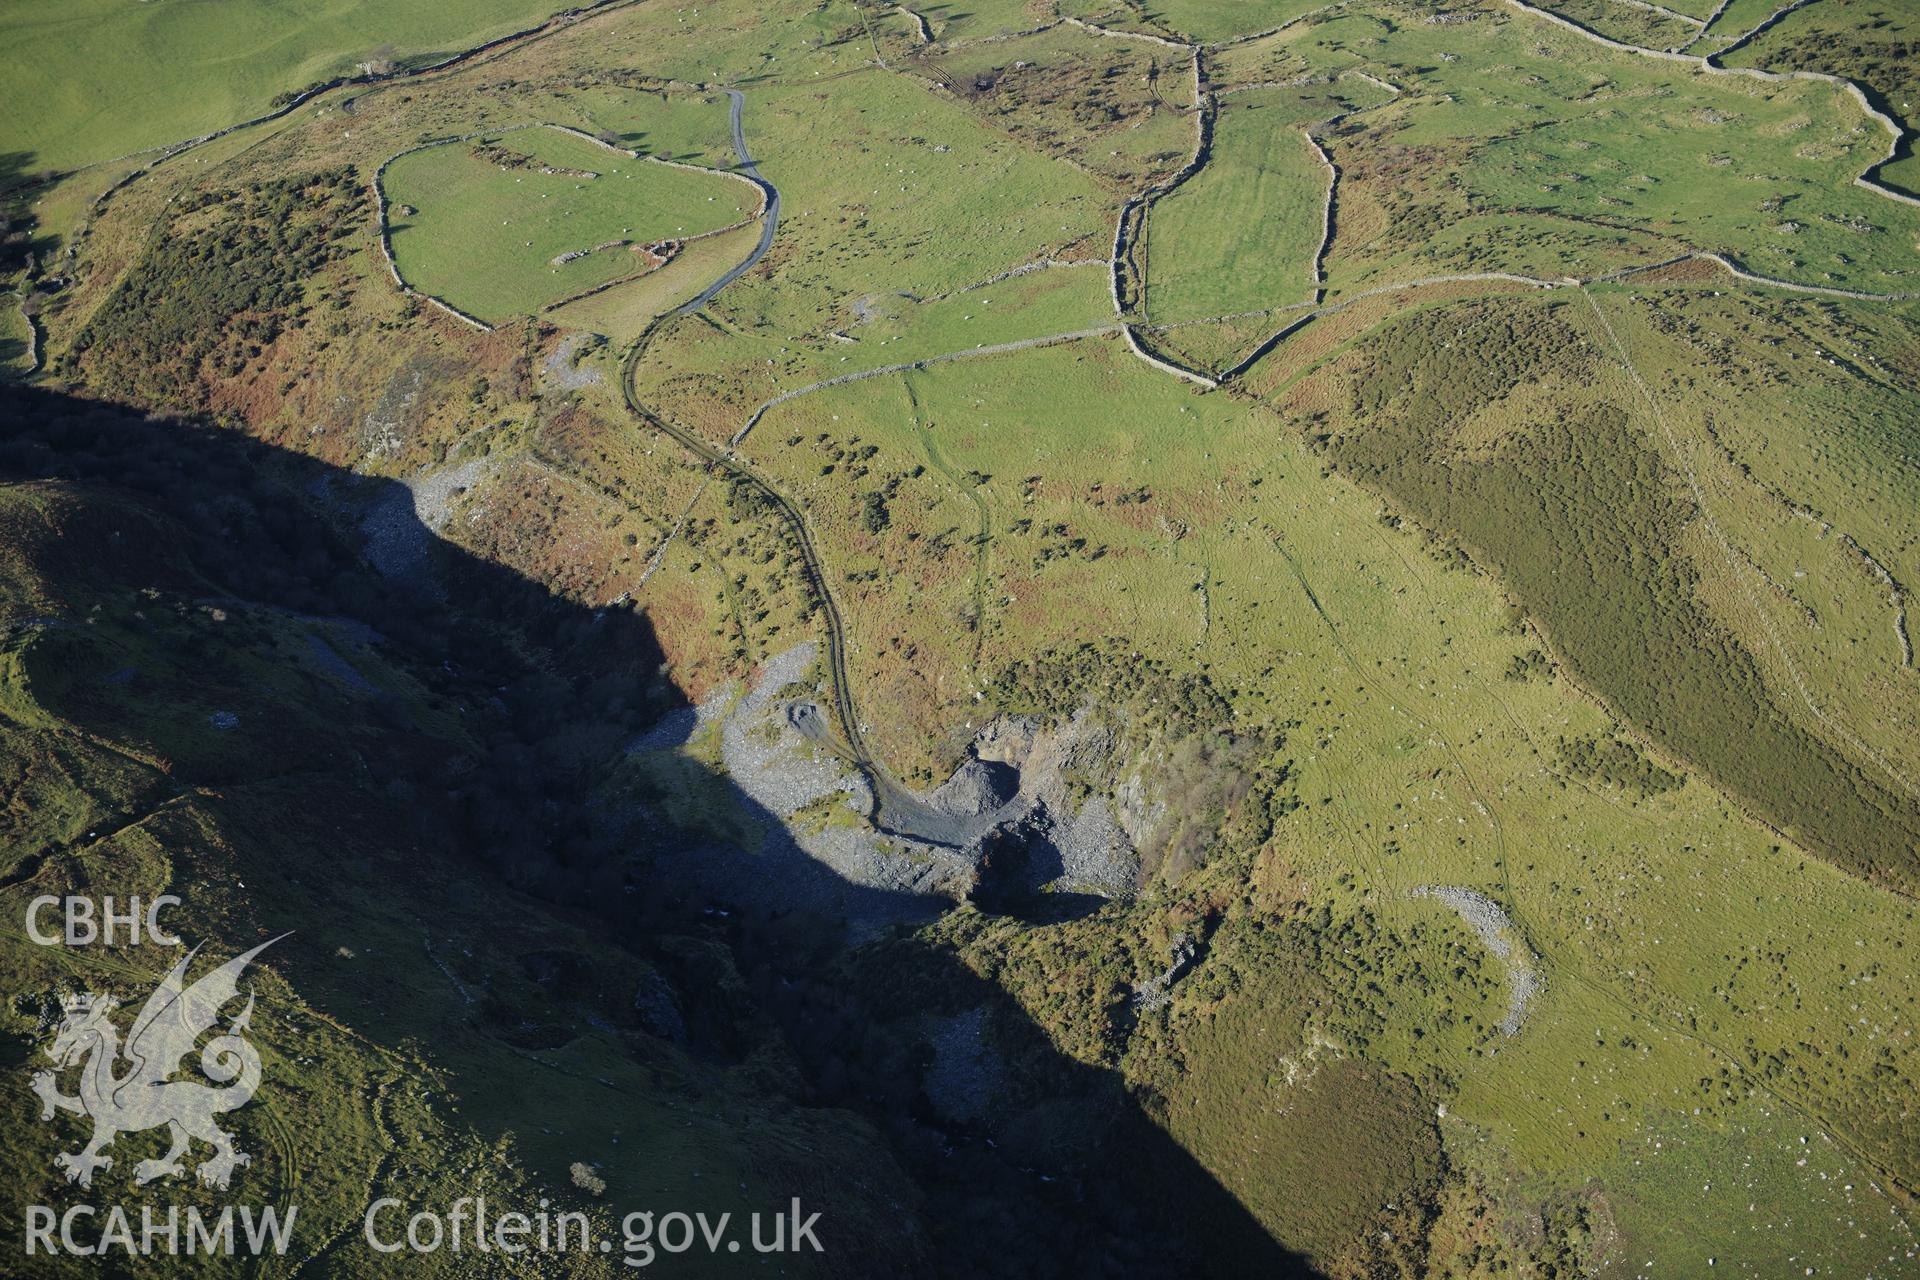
[
  {"x": 483, "y": 52},
  {"x": 884, "y": 783},
  {"x": 896, "y": 809},
  {"x": 894, "y": 804},
  {"x": 723, "y": 461},
  {"x": 770, "y": 217},
  {"x": 1129, "y": 226},
  {"x": 1130, "y": 229}
]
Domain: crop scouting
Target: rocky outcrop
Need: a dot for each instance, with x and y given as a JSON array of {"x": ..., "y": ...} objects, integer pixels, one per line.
[
  {"x": 1063, "y": 829},
  {"x": 1049, "y": 814}
]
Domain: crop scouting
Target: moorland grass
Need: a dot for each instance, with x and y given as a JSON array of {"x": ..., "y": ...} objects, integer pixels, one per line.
[
  {"x": 688, "y": 362},
  {"x": 1735, "y": 20},
  {"x": 1585, "y": 519},
  {"x": 669, "y": 121},
  {"x": 957, "y": 20},
  {"x": 1399, "y": 806},
  {"x": 625, "y": 310},
  {"x": 1121, "y": 108},
  {"x": 415, "y": 1080},
  {"x": 1763, "y": 1160},
  {"x": 921, "y": 197},
  {"x": 220, "y": 286}
]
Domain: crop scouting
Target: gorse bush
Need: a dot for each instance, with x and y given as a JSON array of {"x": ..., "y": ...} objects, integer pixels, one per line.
[
  {"x": 1616, "y": 763},
  {"x": 226, "y": 273}
]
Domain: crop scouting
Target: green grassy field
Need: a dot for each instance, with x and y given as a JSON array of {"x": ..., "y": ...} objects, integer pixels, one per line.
[
  {"x": 485, "y": 234},
  {"x": 958, "y": 20},
  {"x": 92, "y": 80},
  {"x": 1120, "y": 108},
  {"x": 1619, "y": 158},
  {"x": 623, "y": 311},
  {"x": 670, "y": 121},
  {"x": 922, "y": 198},
  {"x": 1765, "y": 1156},
  {"x": 16, "y": 340},
  {"x": 1204, "y": 20},
  {"x": 1243, "y": 234},
  {"x": 1394, "y": 727},
  {"x": 1873, "y": 44},
  {"x": 1738, "y": 18},
  {"x": 1629, "y": 24},
  {"x": 1823, "y": 793},
  {"x": 1701, "y": 9},
  {"x": 896, "y": 246},
  {"x": 714, "y": 378}
]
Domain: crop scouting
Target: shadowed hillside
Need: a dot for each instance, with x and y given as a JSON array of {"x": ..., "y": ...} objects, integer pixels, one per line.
[{"x": 207, "y": 686}]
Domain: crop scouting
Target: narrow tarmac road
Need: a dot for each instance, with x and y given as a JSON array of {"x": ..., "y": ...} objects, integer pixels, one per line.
[{"x": 769, "y": 221}]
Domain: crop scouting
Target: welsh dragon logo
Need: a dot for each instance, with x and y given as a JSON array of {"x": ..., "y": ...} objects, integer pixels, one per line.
[{"x": 127, "y": 1090}]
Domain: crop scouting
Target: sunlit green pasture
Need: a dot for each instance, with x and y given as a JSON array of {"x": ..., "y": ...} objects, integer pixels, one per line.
[
  {"x": 484, "y": 236},
  {"x": 87, "y": 80},
  {"x": 1243, "y": 233}
]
